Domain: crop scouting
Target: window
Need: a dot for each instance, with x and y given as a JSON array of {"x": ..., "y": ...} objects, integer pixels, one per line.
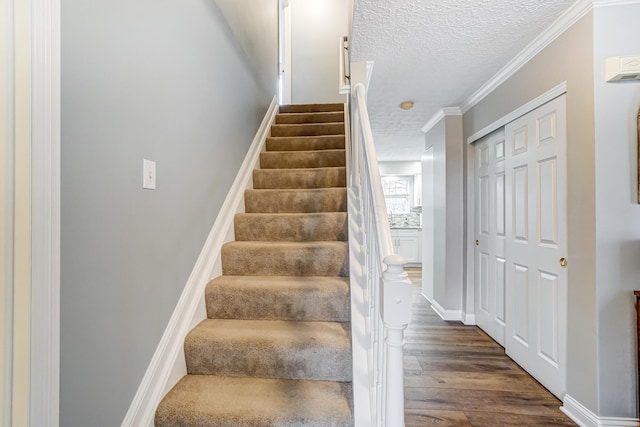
[{"x": 398, "y": 193}]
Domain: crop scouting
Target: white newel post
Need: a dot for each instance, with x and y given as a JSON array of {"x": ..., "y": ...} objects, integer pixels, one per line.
[{"x": 396, "y": 315}]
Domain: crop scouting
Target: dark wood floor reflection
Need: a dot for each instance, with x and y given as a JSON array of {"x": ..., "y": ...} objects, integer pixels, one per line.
[{"x": 456, "y": 375}]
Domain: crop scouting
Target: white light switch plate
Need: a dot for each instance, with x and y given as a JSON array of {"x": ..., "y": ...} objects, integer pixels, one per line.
[{"x": 148, "y": 174}]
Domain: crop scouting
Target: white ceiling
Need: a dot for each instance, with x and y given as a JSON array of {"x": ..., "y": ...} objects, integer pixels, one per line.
[{"x": 436, "y": 53}]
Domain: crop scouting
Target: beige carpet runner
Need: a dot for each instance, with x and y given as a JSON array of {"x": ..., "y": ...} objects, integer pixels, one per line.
[{"x": 275, "y": 349}]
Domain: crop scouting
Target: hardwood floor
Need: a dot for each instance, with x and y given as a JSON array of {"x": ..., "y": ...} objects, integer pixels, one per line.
[{"x": 456, "y": 375}]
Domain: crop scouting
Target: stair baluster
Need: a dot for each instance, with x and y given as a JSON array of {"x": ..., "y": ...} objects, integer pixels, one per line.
[{"x": 381, "y": 298}]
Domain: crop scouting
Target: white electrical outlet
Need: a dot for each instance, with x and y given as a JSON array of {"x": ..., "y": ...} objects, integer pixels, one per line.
[{"x": 148, "y": 174}]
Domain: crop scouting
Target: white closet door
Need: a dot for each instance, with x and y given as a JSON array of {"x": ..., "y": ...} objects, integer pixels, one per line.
[
  {"x": 536, "y": 243},
  {"x": 490, "y": 234}
]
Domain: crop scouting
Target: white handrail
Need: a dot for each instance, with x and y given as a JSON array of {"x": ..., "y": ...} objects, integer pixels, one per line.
[
  {"x": 371, "y": 161},
  {"x": 381, "y": 297}
]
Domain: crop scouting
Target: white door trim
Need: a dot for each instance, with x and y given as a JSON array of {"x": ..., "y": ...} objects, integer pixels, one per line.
[
  {"x": 549, "y": 95},
  {"x": 6, "y": 220},
  {"x": 45, "y": 278},
  {"x": 284, "y": 52}
]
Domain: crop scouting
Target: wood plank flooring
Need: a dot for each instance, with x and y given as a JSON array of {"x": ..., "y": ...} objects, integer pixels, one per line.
[{"x": 457, "y": 376}]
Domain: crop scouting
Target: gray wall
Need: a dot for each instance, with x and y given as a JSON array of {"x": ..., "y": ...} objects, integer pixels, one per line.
[
  {"x": 436, "y": 138},
  {"x": 166, "y": 81},
  {"x": 569, "y": 58},
  {"x": 446, "y": 139},
  {"x": 255, "y": 25},
  {"x": 616, "y": 32},
  {"x": 316, "y": 28}
]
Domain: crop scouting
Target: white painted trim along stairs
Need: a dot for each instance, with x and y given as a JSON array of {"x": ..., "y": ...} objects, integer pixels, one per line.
[{"x": 167, "y": 365}]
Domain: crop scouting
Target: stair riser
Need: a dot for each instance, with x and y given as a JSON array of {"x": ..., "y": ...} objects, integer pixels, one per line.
[
  {"x": 302, "y": 159},
  {"x": 296, "y": 359},
  {"x": 299, "y": 118},
  {"x": 310, "y": 108},
  {"x": 304, "y": 143},
  {"x": 285, "y": 261},
  {"x": 213, "y": 401},
  {"x": 267, "y": 363},
  {"x": 308, "y": 129},
  {"x": 294, "y": 178},
  {"x": 271, "y": 302},
  {"x": 292, "y": 201},
  {"x": 291, "y": 227}
]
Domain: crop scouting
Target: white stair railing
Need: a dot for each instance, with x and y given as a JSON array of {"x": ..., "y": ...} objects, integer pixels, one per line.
[{"x": 381, "y": 297}]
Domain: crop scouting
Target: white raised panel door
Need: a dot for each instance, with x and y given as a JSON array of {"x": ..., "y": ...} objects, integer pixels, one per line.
[
  {"x": 490, "y": 233},
  {"x": 536, "y": 240}
]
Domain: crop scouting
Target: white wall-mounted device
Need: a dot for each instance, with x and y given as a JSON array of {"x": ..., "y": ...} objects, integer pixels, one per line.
[
  {"x": 621, "y": 68},
  {"x": 148, "y": 174}
]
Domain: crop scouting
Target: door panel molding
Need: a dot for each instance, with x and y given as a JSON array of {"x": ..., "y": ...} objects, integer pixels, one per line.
[
  {"x": 489, "y": 256},
  {"x": 535, "y": 242}
]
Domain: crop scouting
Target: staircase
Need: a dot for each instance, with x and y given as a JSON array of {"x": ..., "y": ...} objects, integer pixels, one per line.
[{"x": 275, "y": 349}]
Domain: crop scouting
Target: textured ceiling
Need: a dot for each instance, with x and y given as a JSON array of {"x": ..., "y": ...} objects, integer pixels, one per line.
[{"x": 436, "y": 53}]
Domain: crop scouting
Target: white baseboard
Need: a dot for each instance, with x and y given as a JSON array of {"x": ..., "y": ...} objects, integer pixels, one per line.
[
  {"x": 449, "y": 315},
  {"x": 167, "y": 365},
  {"x": 469, "y": 319},
  {"x": 585, "y": 418}
]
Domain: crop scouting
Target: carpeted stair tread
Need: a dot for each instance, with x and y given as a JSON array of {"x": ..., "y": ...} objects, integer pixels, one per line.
[
  {"x": 302, "y": 159},
  {"x": 308, "y": 129},
  {"x": 325, "y": 177},
  {"x": 310, "y": 108},
  {"x": 293, "y": 227},
  {"x": 319, "y": 117},
  {"x": 285, "y": 259},
  {"x": 305, "y": 143},
  {"x": 270, "y": 349},
  {"x": 213, "y": 401},
  {"x": 279, "y": 298},
  {"x": 296, "y": 200}
]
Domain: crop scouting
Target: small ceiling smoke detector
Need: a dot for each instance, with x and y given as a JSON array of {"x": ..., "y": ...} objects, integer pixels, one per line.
[{"x": 407, "y": 105}]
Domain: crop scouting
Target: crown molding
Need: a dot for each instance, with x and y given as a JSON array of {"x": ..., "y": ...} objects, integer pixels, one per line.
[
  {"x": 578, "y": 10},
  {"x": 608, "y": 3},
  {"x": 559, "y": 26},
  {"x": 433, "y": 121},
  {"x": 441, "y": 114},
  {"x": 452, "y": 111}
]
